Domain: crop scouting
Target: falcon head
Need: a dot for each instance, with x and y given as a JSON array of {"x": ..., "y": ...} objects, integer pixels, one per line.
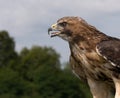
[{"x": 67, "y": 28}]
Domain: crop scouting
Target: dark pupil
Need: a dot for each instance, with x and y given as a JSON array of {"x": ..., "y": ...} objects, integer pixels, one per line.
[{"x": 63, "y": 24}]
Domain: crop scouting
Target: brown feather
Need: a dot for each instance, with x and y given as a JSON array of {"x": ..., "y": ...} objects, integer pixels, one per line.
[{"x": 88, "y": 58}]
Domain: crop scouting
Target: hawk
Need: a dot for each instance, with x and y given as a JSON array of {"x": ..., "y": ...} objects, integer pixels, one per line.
[{"x": 95, "y": 56}]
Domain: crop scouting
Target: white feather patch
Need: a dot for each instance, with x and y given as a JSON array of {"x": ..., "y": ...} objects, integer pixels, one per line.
[{"x": 97, "y": 50}]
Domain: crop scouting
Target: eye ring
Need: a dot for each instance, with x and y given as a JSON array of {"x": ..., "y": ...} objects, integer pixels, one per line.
[{"x": 63, "y": 24}]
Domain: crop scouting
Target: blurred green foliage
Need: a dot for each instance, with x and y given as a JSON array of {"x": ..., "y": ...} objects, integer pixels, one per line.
[{"x": 36, "y": 73}]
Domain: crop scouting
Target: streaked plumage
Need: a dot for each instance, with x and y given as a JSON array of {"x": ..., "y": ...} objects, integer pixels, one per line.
[{"x": 95, "y": 57}]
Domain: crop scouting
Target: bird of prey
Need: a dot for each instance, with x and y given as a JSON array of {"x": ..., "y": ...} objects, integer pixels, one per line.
[{"x": 95, "y": 56}]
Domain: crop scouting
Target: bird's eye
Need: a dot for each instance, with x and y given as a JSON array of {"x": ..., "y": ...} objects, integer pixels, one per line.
[{"x": 63, "y": 24}]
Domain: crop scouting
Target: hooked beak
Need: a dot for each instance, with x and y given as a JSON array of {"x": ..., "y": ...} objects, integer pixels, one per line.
[{"x": 53, "y": 30}]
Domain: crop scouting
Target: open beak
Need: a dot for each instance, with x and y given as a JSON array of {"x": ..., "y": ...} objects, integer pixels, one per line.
[{"x": 53, "y": 30}]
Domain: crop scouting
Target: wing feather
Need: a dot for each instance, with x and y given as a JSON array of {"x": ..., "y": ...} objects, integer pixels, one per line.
[{"x": 110, "y": 50}]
